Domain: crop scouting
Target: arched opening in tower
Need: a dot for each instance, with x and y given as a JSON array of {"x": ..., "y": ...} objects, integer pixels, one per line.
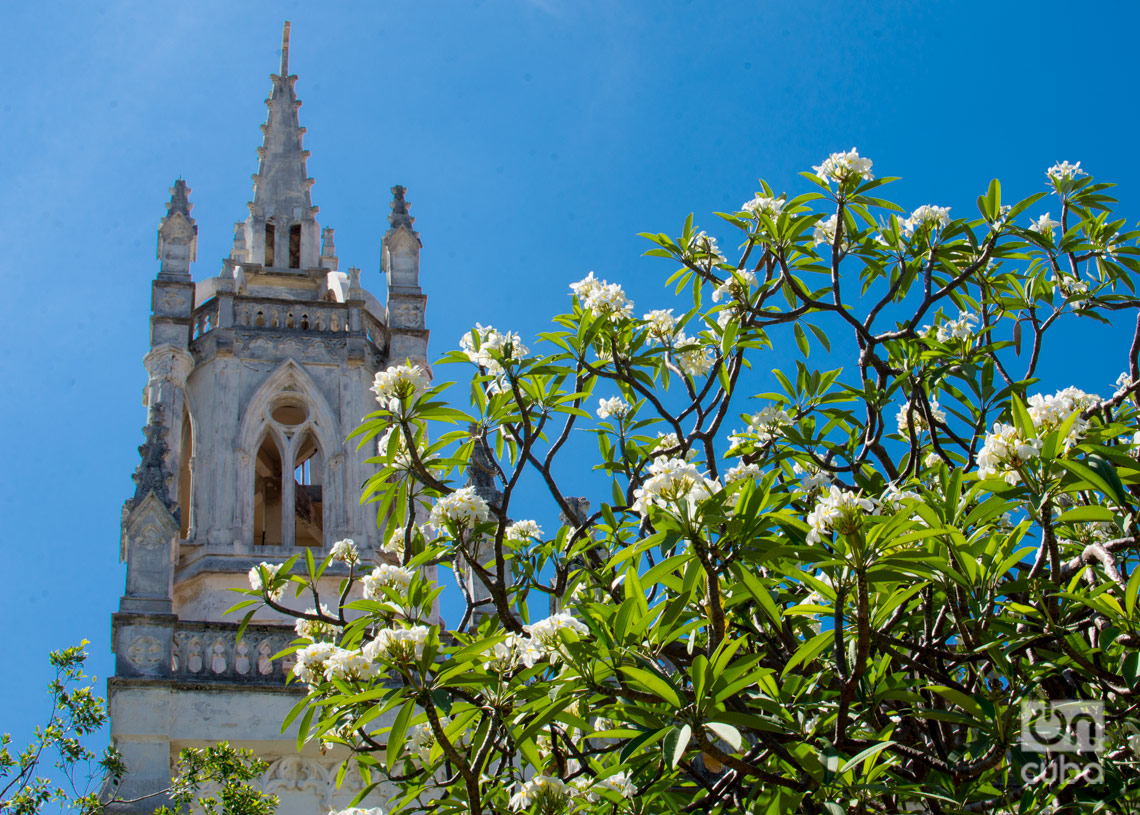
[
  {"x": 270, "y": 239},
  {"x": 184, "y": 473},
  {"x": 295, "y": 246},
  {"x": 308, "y": 500},
  {"x": 267, "y": 494}
]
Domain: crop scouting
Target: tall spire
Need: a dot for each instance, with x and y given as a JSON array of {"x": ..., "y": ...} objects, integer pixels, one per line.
[{"x": 281, "y": 186}]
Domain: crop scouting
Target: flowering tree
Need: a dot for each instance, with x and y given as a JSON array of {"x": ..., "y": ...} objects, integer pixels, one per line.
[{"x": 847, "y": 595}]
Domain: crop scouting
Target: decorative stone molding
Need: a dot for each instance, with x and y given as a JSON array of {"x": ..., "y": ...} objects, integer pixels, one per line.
[
  {"x": 209, "y": 652},
  {"x": 303, "y": 774},
  {"x": 168, "y": 363}
]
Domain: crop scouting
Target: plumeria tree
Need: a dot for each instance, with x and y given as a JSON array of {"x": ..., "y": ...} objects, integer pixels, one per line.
[{"x": 859, "y": 592}]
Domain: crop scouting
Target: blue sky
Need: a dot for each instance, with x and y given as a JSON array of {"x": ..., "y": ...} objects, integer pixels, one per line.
[{"x": 536, "y": 139}]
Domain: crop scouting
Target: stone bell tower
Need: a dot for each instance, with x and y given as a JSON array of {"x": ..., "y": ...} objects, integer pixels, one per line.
[{"x": 255, "y": 378}]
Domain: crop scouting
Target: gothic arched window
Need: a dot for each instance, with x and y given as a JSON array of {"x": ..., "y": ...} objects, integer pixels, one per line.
[{"x": 267, "y": 490}]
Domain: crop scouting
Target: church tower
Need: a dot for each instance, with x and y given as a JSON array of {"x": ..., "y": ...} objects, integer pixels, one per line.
[{"x": 255, "y": 378}]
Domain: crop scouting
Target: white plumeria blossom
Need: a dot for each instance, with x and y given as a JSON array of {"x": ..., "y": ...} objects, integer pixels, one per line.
[
  {"x": 1044, "y": 226},
  {"x": 660, "y": 324},
  {"x": 271, "y": 570},
  {"x": 695, "y": 360},
  {"x": 927, "y": 216},
  {"x": 1006, "y": 449},
  {"x": 505, "y": 655},
  {"x": 704, "y": 245},
  {"x": 521, "y": 531},
  {"x": 349, "y": 665},
  {"x": 461, "y": 509},
  {"x": 507, "y": 345},
  {"x": 397, "y": 643},
  {"x": 398, "y": 382},
  {"x": 894, "y": 497},
  {"x": 358, "y": 811},
  {"x": 401, "y": 457},
  {"x": 345, "y": 551},
  {"x": 908, "y": 416},
  {"x": 615, "y": 407},
  {"x": 841, "y": 167},
  {"x": 958, "y": 330},
  {"x": 310, "y": 665},
  {"x": 672, "y": 482},
  {"x": 602, "y": 298},
  {"x": 551, "y": 792},
  {"x": 742, "y": 472},
  {"x": 838, "y": 510},
  {"x": 1123, "y": 383},
  {"x": 419, "y": 741},
  {"x": 1069, "y": 286},
  {"x": 316, "y": 629},
  {"x": 811, "y": 478},
  {"x": 765, "y": 426},
  {"x": 1064, "y": 171},
  {"x": 396, "y": 577},
  {"x": 761, "y": 205},
  {"x": 736, "y": 287},
  {"x": 824, "y": 232},
  {"x": 618, "y": 783}
]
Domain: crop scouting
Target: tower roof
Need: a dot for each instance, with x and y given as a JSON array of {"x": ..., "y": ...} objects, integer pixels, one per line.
[{"x": 281, "y": 185}]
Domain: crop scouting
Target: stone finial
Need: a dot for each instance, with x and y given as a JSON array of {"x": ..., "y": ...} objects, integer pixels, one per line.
[
  {"x": 240, "y": 247},
  {"x": 285, "y": 49},
  {"x": 177, "y": 235},
  {"x": 329, "y": 259},
  {"x": 151, "y": 475},
  {"x": 400, "y": 206},
  {"x": 179, "y": 200}
]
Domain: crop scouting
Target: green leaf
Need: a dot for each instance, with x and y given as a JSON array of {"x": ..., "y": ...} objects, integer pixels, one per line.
[
  {"x": 873, "y": 750},
  {"x": 801, "y": 339},
  {"x": 960, "y": 699},
  {"x": 397, "y": 733},
  {"x": 654, "y": 684},
  {"x": 676, "y": 742},
  {"x": 727, "y": 732},
  {"x": 1080, "y": 514},
  {"x": 809, "y": 650}
]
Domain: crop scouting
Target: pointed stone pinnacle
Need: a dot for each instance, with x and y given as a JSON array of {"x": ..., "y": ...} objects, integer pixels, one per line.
[
  {"x": 400, "y": 206},
  {"x": 179, "y": 200},
  {"x": 285, "y": 50}
]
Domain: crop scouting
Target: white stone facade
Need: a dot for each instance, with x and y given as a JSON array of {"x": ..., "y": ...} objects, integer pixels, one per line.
[{"x": 255, "y": 379}]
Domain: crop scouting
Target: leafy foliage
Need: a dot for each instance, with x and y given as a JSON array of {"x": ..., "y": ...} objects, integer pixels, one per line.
[{"x": 844, "y": 608}]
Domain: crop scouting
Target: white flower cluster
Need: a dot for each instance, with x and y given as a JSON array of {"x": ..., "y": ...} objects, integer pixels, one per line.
[
  {"x": 824, "y": 233},
  {"x": 602, "y": 298},
  {"x": 960, "y": 329},
  {"x": 546, "y": 632},
  {"x": 271, "y": 570},
  {"x": 1044, "y": 226},
  {"x": 672, "y": 481},
  {"x": 742, "y": 472},
  {"x": 838, "y": 510},
  {"x": 893, "y": 498},
  {"x": 926, "y": 216},
  {"x": 772, "y": 207},
  {"x": 694, "y": 360},
  {"x": 521, "y": 531},
  {"x": 543, "y": 642},
  {"x": 396, "y": 577},
  {"x": 703, "y": 245},
  {"x": 345, "y": 551},
  {"x": 316, "y": 629},
  {"x": 1070, "y": 286},
  {"x": 737, "y": 287},
  {"x": 397, "y": 643},
  {"x": 840, "y": 167},
  {"x": 1065, "y": 171},
  {"x": 1006, "y": 448},
  {"x": 398, "y": 382},
  {"x": 461, "y": 509},
  {"x": 507, "y": 345},
  {"x": 1123, "y": 383},
  {"x": 765, "y": 426},
  {"x": 420, "y": 740},
  {"x": 811, "y": 478},
  {"x": 917, "y": 417},
  {"x": 590, "y": 788},
  {"x": 358, "y": 811},
  {"x": 401, "y": 457},
  {"x": 661, "y": 324},
  {"x": 615, "y": 407},
  {"x": 549, "y": 792}
]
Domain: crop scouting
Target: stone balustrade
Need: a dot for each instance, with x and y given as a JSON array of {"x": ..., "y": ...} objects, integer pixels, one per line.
[
  {"x": 209, "y": 652},
  {"x": 253, "y": 313}
]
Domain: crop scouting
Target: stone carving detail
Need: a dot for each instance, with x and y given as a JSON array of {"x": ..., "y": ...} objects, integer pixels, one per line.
[
  {"x": 151, "y": 475},
  {"x": 172, "y": 301},
  {"x": 241, "y": 658},
  {"x": 407, "y": 315},
  {"x": 300, "y": 774},
  {"x": 144, "y": 653},
  {"x": 218, "y": 659},
  {"x": 205, "y": 653}
]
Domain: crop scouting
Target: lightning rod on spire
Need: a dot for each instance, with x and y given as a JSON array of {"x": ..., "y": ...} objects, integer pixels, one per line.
[{"x": 285, "y": 50}]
